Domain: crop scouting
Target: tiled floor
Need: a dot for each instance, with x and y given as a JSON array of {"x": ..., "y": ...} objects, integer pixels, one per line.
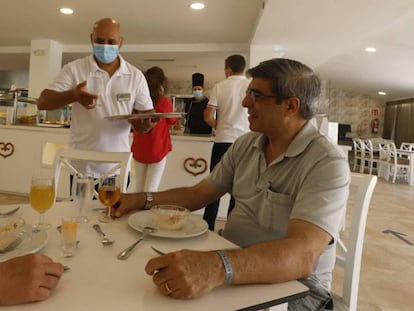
[{"x": 387, "y": 273}]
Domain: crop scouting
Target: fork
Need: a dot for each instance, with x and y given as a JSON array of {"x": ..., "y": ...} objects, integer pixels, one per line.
[
  {"x": 9, "y": 212},
  {"x": 158, "y": 251}
]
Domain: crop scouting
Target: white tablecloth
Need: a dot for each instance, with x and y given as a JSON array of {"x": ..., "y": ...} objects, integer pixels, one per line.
[{"x": 99, "y": 281}]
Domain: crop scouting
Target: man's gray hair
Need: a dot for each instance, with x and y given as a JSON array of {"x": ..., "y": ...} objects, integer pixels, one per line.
[{"x": 290, "y": 78}]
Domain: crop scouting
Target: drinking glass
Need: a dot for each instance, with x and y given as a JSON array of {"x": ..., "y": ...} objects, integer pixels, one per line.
[
  {"x": 109, "y": 193},
  {"x": 83, "y": 186},
  {"x": 68, "y": 236},
  {"x": 95, "y": 84},
  {"x": 42, "y": 197}
]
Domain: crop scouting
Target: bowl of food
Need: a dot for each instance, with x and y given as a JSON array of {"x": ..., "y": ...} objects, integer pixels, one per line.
[
  {"x": 170, "y": 217},
  {"x": 10, "y": 228}
]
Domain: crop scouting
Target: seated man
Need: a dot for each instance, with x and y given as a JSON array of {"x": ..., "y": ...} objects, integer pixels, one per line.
[
  {"x": 290, "y": 185},
  {"x": 28, "y": 278}
]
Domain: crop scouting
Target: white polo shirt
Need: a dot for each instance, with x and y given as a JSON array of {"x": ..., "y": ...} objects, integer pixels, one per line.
[
  {"x": 90, "y": 131},
  {"x": 232, "y": 118}
]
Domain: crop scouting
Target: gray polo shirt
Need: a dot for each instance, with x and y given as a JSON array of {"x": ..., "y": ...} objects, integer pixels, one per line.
[{"x": 310, "y": 181}]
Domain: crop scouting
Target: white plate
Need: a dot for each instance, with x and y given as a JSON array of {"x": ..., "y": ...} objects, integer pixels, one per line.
[
  {"x": 194, "y": 226},
  {"x": 33, "y": 241},
  {"x": 147, "y": 115}
]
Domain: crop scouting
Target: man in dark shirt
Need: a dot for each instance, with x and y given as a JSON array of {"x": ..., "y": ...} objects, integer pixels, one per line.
[{"x": 195, "y": 108}]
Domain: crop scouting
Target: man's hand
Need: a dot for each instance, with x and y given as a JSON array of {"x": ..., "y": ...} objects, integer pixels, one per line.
[
  {"x": 127, "y": 203},
  {"x": 186, "y": 274},
  {"x": 84, "y": 98},
  {"x": 144, "y": 126},
  {"x": 28, "y": 278}
]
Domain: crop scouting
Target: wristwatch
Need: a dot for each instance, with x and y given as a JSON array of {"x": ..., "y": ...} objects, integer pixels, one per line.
[{"x": 148, "y": 202}]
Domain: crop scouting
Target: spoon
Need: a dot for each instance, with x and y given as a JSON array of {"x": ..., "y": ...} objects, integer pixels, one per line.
[
  {"x": 105, "y": 240},
  {"x": 127, "y": 251},
  {"x": 10, "y": 212}
]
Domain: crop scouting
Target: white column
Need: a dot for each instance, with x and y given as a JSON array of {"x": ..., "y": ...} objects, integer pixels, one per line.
[{"x": 45, "y": 63}]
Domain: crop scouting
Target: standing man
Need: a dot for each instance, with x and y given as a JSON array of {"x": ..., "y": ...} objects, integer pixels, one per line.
[
  {"x": 195, "y": 107},
  {"x": 124, "y": 91},
  {"x": 290, "y": 184},
  {"x": 226, "y": 115}
]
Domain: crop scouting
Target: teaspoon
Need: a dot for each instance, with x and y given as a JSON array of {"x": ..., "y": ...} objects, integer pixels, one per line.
[
  {"x": 126, "y": 252},
  {"x": 105, "y": 240}
]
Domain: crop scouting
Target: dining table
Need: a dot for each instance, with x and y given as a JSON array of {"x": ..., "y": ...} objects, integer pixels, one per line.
[{"x": 97, "y": 280}]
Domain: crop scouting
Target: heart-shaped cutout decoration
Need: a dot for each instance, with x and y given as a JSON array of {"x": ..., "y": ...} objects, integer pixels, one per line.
[
  {"x": 195, "y": 166},
  {"x": 6, "y": 149}
]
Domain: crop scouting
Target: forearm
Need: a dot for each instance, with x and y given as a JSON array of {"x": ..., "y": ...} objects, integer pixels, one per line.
[
  {"x": 211, "y": 122},
  {"x": 193, "y": 198},
  {"x": 270, "y": 262},
  {"x": 209, "y": 117},
  {"x": 50, "y": 100},
  {"x": 290, "y": 258}
]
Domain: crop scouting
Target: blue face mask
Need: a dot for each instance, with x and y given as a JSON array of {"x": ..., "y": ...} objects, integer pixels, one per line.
[
  {"x": 198, "y": 93},
  {"x": 105, "y": 53}
]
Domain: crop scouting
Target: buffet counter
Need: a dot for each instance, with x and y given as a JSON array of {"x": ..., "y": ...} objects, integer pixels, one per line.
[{"x": 27, "y": 150}]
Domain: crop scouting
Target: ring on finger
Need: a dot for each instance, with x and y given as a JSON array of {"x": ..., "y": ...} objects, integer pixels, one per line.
[{"x": 169, "y": 291}]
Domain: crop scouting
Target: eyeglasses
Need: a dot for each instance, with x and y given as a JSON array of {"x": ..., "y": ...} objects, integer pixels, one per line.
[{"x": 255, "y": 95}]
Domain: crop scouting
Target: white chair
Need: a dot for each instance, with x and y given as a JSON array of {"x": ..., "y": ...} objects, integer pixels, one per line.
[
  {"x": 121, "y": 161},
  {"x": 397, "y": 166},
  {"x": 368, "y": 158},
  {"x": 358, "y": 153},
  {"x": 407, "y": 146},
  {"x": 349, "y": 254},
  {"x": 382, "y": 165}
]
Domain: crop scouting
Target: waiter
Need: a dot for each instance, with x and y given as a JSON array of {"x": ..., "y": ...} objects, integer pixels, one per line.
[{"x": 195, "y": 107}]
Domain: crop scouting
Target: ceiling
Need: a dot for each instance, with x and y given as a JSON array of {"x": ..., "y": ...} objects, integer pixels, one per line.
[{"x": 328, "y": 35}]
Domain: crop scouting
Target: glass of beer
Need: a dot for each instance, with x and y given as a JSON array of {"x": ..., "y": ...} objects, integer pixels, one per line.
[
  {"x": 109, "y": 193},
  {"x": 42, "y": 197}
]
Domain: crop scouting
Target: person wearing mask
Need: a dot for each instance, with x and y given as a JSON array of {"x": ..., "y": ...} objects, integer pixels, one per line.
[
  {"x": 226, "y": 115},
  {"x": 28, "y": 278},
  {"x": 290, "y": 184},
  {"x": 124, "y": 91},
  {"x": 150, "y": 150},
  {"x": 195, "y": 107}
]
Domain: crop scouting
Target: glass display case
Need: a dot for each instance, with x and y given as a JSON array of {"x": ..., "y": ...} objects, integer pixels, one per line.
[
  {"x": 16, "y": 109},
  {"x": 22, "y": 110}
]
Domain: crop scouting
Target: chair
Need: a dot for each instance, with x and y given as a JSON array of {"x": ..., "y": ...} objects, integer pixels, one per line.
[
  {"x": 349, "y": 255},
  {"x": 397, "y": 166},
  {"x": 407, "y": 146},
  {"x": 358, "y": 153},
  {"x": 368, "y": 158},
  {"x": 121, "y": 161},
  {"x": 382, "y": 164}
]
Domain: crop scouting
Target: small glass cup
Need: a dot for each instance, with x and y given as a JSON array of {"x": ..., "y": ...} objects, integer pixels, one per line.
[
  {"x": 95, "y": 85},
  {"x": 68, "y": 236}
]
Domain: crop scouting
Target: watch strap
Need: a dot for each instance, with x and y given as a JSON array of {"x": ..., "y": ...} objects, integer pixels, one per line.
[{"x": 148, "y": 202}]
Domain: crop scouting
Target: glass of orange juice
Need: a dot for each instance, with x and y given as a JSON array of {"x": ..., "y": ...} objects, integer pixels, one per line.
[
  {"x": 42, "y": 197},
  {"x": 69, "y": 231},
  {"x": 109, "y": 193}
]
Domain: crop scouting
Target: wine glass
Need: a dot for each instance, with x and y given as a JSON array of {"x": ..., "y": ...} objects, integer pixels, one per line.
[
  {"x": 109, "y": 193},
  {"x": 83, "y": 186},
  {"x": 42, "y": 197}
]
